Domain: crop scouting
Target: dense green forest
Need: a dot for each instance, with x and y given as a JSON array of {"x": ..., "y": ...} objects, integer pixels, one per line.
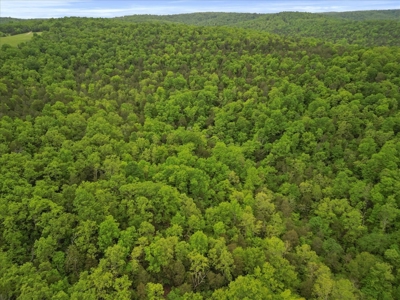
[
  {"x": 19, "y": 26},
  {"x": 200, "y": 19},
  {"x": 367, "y": 28},
  {"x": 4, "y": 20},
  {"x": 152, "y": 160},
  {"x": 390, "y": 14}
]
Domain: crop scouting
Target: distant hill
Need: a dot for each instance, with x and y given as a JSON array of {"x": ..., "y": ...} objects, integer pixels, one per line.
[
  {"x": 222, "y": 18},
  {"x": 365, "y": 28},
  {"x": 391, "y": 14},
  {"x": 332, "y": 28},
  {"x": 368, "y": 28},
  {"x": 202, "y": 19},
  {"x": 4, "y": 20}
]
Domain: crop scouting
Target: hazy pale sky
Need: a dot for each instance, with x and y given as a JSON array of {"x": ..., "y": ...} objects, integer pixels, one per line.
[{"x": 102, "y": 8}]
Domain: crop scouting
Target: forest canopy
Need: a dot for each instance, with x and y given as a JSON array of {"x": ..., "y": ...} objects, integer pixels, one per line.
[
  {"x": 367, "y": 28},
  {"x": 152, "y": 160}
]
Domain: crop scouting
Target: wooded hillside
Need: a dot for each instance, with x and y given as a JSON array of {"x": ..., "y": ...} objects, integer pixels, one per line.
[
  {"x": 156, "y": 160},
  {"x": 367, "y": 28}
]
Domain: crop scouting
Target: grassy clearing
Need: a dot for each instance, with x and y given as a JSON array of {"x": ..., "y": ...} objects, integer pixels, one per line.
[{"x": 14, "y": 40}]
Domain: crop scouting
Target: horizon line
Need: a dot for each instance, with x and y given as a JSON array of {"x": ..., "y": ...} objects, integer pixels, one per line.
[{"x": 200, "y": 12}]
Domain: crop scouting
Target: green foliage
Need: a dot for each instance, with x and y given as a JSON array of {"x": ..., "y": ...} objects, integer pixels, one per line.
[
  {"x": 155, "y": 160},
  {"x": 359, "y": 27},
  {"x": 390, "y": 14}
]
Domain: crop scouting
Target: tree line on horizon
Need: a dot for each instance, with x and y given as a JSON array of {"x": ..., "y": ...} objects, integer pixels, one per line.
[{"x": 364, "y": 28}]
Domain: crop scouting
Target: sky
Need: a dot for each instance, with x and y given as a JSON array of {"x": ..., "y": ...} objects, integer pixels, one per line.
[{"x": 107, "y": 8}]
